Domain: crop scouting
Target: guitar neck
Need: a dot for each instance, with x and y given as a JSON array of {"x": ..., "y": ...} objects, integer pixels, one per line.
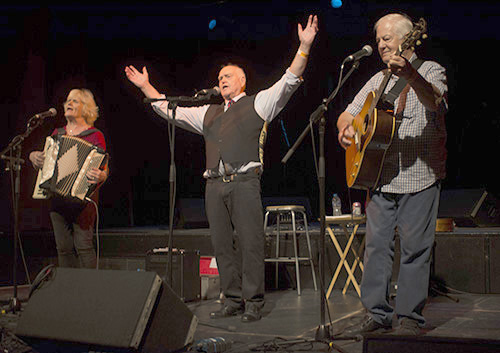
[
  {"x": 383, "y": 84},
  {"x": 381, "y": 88}
]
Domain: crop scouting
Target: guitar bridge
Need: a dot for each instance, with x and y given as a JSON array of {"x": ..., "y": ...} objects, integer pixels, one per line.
[{"x": 357, "y": 141}]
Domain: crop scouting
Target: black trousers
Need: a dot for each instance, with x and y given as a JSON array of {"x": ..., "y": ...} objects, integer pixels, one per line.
[
  {"x": 73, "y": 223},
  {"x": 75, "y": 245},
  {"x": 235, "y": 215}
]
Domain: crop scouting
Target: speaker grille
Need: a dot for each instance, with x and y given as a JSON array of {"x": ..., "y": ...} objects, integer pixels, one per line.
[{"x": 106, "y": 308}]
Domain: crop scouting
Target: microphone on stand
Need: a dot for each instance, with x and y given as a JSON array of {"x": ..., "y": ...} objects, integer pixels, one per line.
[
  {"x": 365, "y": 51},
  {"x": 49, "y": 113},
  {"x": 215, "y": 91},
  {"x": 38, "y": 119}
]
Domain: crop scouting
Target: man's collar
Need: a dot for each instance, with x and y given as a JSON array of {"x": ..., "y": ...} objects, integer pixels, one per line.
[{"x": 235, "y": 99}]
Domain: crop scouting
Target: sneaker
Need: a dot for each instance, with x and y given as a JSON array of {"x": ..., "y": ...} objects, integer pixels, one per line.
[
  {"x": 368, "y": 325},
  {"x": 408, "y": 327}
]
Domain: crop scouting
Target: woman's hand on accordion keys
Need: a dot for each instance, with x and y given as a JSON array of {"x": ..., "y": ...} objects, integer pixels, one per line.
[
  {"x": 97, "y": 176},
  {"x": 37, "y": 158}
]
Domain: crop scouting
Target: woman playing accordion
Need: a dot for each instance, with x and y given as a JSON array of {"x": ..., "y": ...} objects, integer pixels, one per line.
[{"x": 72, "y": 216}]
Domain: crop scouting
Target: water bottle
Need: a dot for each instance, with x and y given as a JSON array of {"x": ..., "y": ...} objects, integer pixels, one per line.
[
  {"x": 336, "y": 205},
  {"x": 213, "y": 345}
]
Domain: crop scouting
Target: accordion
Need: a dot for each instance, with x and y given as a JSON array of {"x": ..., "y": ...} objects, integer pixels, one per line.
[{"x": 64, "y": 171}]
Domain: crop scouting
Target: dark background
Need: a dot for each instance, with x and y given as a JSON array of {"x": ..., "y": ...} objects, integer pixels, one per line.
[{"x": 50, "y": 49}]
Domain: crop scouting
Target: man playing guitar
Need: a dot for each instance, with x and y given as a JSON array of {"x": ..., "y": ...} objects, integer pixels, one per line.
[{"x": 406, "y": 194}]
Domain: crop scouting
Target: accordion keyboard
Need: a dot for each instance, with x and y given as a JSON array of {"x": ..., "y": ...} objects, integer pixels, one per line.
[{"x": 75, "y": 157}]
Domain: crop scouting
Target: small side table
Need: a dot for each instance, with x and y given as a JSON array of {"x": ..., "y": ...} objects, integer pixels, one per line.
[{"x": 349, "y": 225}]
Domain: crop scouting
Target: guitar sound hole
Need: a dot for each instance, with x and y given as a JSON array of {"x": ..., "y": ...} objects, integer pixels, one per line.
[{"x": 365, "y": 123}]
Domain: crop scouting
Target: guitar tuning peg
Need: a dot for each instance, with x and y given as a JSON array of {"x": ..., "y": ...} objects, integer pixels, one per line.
[
  {"x": 418, "y": 42},
  {"x": 424, "y": 36}
]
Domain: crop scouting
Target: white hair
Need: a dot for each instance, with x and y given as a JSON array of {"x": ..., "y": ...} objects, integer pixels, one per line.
[
  {"x": 402, "y": 24},
  {"x": 90, "y": 110}
]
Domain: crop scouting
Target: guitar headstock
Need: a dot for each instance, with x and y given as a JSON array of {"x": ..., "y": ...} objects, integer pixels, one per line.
[{"x": 413, "y": 38}]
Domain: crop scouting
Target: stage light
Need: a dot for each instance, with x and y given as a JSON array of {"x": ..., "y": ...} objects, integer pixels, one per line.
[
  {"x": 212, "y": 24},
  {"x": 336, "y": 3}
]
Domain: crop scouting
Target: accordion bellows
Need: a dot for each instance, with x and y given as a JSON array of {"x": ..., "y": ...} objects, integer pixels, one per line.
[{"x": 64, "y": 171}]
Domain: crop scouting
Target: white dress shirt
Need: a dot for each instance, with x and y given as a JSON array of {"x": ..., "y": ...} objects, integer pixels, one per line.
[{"x": 268, "y": 104}]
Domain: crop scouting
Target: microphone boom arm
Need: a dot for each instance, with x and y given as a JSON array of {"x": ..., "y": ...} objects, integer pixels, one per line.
[
  {"x": 181, "y": 101},
  {"x": 319, "y": 112}
]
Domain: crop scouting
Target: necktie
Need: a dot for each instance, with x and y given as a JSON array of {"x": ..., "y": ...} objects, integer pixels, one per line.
[{"x": 229, "y": 103}]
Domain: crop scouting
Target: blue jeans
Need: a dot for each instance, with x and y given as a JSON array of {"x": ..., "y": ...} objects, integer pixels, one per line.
[{"x": 414, "y": 216}]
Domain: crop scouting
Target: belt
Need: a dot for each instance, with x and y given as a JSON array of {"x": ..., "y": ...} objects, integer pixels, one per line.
[{"x": 250, "y": 174}]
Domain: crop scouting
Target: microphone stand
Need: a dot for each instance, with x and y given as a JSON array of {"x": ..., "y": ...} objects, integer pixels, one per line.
[
  {"x": 322, "y": 332},
  {"x": 12, "y": 155},
  {"x": 173, "y": 103}
]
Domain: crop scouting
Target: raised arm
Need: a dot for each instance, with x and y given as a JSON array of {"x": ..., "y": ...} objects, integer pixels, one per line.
[
  {"x": 306, "y": 37},
  {"x": 189, "y": 118},
  {"x": 141, "y": 81}
]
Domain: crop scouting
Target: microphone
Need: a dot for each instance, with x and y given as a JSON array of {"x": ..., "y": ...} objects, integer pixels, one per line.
[
  {"x": 215, "y": 91},
  {"x": 49, "y": 113},
  {"x": 365, "y": 51}
]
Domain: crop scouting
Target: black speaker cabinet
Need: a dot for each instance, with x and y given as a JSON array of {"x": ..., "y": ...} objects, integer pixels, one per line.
[
  {"x": 462, "y": 262},
  {"x": 186, "y": 281},
  {"x": 470, "y": 207},
  {"x": 428, "y": 344},
  {"x": 75, "y": 310},
  {"x": 192, "y": 214}
]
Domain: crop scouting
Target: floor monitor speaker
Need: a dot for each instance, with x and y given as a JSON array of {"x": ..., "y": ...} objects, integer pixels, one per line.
[
  {"x": 470, "y": 207},
  {"x": 104, "y": 310},
  {"x": 428, "y": 344}
]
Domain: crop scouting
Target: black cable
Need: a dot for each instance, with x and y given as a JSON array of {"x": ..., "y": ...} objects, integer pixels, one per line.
[{"x": 42, "y": 275}]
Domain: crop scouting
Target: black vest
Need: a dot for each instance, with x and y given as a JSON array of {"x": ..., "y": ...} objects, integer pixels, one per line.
[{"x": 232, "y": 136}]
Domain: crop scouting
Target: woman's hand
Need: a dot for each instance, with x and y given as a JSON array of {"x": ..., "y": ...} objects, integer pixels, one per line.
[
  {"x": 37, "y": 158},
  {"x": 97, "y": 176}
]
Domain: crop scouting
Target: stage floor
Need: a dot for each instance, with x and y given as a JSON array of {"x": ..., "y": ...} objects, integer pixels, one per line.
[
  {"x": 467, "y": 260},
  {"x": 290, "y": 321}
]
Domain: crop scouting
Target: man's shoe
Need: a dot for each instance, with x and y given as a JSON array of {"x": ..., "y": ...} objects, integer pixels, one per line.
[
  {"x": 226, "y": 311},
  {"x": 408, "y": 327},
  {"x": 251, "y": 314},
  {"x": 368, "y": 325}
]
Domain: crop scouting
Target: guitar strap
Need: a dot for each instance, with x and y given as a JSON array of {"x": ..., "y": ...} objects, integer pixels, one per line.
[{"x": 389, "y": 98}]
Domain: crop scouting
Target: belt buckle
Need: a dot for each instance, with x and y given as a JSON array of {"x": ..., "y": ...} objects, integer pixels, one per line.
[{"x": 227, "y": 178}]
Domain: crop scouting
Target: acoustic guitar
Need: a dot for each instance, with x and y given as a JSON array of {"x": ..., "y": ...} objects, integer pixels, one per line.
[{"x": 374, "y": 128}]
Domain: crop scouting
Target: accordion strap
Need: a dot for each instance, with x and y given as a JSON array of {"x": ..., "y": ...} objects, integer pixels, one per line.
[
  {"x": 87, "y": 132},
  {"x": 62, "y": 131}
]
